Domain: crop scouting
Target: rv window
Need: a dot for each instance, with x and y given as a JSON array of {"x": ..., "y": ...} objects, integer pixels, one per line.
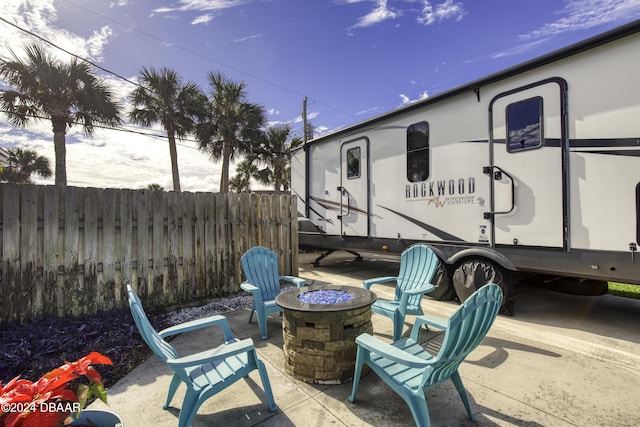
[
  {"x": 524, "y": 125},
  {"x": 418, "y": 152},
  {"x": 353, "y": 162}
]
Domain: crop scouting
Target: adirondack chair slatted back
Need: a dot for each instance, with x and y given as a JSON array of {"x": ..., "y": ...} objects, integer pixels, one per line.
[
  {"x": 417, "y": 266},
  {"x": 163, "y": 349},
  {"x": 466, "y": 328},
  {"x": 260, "y": 266}
]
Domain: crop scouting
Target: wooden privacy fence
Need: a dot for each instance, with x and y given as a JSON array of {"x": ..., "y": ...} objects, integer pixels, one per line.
[{"x": 68, "y": 251}]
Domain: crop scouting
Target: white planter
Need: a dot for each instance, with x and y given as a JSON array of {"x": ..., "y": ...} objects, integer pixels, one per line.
[{"x": 98, "y": 418}]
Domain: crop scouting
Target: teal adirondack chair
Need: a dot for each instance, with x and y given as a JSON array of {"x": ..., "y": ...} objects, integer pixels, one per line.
[
  {"x": 205, "y": 373},
  {"x": 260, "y": 267},
  {"x": 411, "y": 371},
  {"x": 418, "y": 264}
]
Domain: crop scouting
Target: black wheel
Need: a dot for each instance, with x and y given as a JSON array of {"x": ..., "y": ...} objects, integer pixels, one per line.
[
  {"x": 444, "y": 286},
  {"x": 471, "y": 274}
]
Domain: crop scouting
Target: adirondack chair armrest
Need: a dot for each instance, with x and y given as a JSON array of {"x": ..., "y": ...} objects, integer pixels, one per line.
[
  {"x": 388, "y": 351},
  {"x": 299, "y": 282},
  {"x": 369, "y": 282},
  {"x": 218, "y": 353},
  {"x": 420, "y": 290},
  {"x": 429, "y": 321},
  {"x": 246, "y": 286},
  {"x": 199, "y": 324},
  {"x": 404, "y": 297}
]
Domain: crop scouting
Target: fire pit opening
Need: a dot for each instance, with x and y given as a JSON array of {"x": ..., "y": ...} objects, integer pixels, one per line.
[
  {"x": 320, "y": 325},
  {"x": 325, "y": 296}
]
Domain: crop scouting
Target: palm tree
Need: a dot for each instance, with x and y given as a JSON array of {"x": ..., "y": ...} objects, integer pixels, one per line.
[
  {"x": 21, "y": 164},
  {"x": 64, "y": 93},
  {"x": 242, "y": 180},
  {"x": 274, "y": 152},
  {"x": 164, "y": 99},
  {"x": 155, "y": 187},
  {"x": 232, "y": 125}
]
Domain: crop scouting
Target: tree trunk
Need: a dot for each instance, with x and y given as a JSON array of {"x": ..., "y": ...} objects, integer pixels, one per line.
[
  {"x": 278, "y": 172},
  {"x": 60, "y": 148},
  {"x": 226, "y": 155},
  {"x": 173, "y": 153}
]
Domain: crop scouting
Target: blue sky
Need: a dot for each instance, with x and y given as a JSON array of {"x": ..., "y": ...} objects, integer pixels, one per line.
[{"x": 353, "y": 59}]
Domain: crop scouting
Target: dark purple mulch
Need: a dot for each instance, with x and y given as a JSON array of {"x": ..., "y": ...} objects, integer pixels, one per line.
[{"x": 33, "y": 349}]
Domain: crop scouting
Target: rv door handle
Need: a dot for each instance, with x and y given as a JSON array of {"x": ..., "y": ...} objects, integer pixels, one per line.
[
  {"x": 488, "y": 170},
  {"x": 497, "y": 175},
  {"x": 344, "y": 193}
]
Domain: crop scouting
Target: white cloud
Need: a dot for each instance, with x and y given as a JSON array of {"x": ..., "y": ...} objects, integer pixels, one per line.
[
  {"x": 379, "y": 14},
  {"x": 117, "y": 159},
  {"x": 201, "y": 5},
  {"x": 244, "y": 39},
  {"x": 429, "y": 14},
  {"x": 321, "y": 130},
  {"x": 36, "y": 17},
  {"x": 584, "y": 14},
  {"x": 108, "y": 158},
  {"x": 406, "y": 100},
  {"x": 97, "y": 42},
  {"x": 518, "y": 49},
  {"x": 367, "y": 111},
  {"x": 40, "y": 19},
  {"x": 447, "y": 10},
  {"x": 310, "y": 116},
  {"x": 576, "y": 15},
  {"x": 202, "y": 19}
]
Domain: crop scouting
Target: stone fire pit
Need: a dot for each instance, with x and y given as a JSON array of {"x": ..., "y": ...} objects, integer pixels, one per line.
[{"x": 319, "y": 327}]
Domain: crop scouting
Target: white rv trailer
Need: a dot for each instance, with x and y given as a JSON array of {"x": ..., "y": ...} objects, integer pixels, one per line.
[{"x": 532, "y": 169}]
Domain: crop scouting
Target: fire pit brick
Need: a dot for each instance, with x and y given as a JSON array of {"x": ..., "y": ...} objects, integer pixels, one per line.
[{"x": 319, "y": 339}]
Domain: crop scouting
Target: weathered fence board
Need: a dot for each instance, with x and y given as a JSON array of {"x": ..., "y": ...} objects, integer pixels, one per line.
[
  {"x": 51, "y": 226},
  {"x": 67, "y": 251}
]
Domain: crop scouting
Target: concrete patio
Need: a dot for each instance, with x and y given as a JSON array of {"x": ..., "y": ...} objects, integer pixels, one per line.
[{"x": 562, "y": 360}]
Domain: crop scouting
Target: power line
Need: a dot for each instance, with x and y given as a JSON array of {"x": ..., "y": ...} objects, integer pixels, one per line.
[
  {"x": 118, "y": 129},
  {"x": 187, "y": 50},
  {"x": 139, "y": 85},
  {"x": 70, "y": 53},
  {"x": 135, "y": 83},
  {"x": 31, "y": 33}
]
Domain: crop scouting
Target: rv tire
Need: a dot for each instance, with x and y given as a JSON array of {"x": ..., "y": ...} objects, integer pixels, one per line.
[
  {"x": 442, "y": 281},
  {"x": 471, "y": 274}
]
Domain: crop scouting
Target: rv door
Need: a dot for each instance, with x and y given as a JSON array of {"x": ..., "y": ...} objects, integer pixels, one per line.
[
  {"x": 354, "y": 188},
  {"x": 528, "y": 182}
]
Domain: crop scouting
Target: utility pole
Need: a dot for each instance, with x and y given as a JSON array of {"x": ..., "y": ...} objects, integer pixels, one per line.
[
  {"x": 304, "y": 120},
  {"x": 307, "y": 184}
]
